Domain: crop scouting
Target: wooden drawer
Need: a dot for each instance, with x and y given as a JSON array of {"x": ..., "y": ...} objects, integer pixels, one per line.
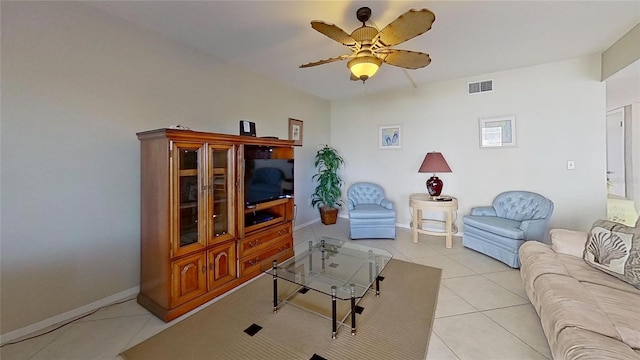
[
  {"x": 279, "y": 251},
  {"x": 256, "y": 243}
]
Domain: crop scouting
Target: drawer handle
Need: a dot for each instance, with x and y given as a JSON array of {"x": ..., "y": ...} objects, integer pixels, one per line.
[
  {"x": 254, "y": 261},
  {"x": 252, "y": 244},
  {"x": 282, "y": 232}
]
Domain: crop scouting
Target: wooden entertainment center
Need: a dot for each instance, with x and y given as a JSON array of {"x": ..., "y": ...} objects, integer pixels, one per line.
[{"x": 199, "y": 237}]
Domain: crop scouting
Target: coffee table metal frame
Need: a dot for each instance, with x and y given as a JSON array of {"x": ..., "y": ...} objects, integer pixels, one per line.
[{"x": 340, "y": 269}]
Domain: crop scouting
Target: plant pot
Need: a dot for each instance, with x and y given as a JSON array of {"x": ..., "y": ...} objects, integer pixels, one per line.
[{"x": 328, "y": 215}]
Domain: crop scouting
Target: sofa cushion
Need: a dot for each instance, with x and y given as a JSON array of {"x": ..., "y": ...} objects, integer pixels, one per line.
[
  {"x": 497, "y": 225},
  {"x": 621, "y": 308},
  {"x": 583, "y": 272},
  {"x": 615, "y": 249},
  {"x": 569, "y": 305},
  {"x": 593, "y": 346}
]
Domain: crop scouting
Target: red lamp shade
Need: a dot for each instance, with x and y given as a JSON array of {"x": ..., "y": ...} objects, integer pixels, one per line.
[{"x": 434, "y": 163}]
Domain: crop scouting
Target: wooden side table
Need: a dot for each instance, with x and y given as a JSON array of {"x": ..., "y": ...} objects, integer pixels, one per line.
[{"x": 424, "y": 202}]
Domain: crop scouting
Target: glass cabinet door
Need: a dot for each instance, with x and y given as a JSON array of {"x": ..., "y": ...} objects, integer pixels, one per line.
[
  {"x": 188, "y": 203},
  {"x": 221, "y": 196}
]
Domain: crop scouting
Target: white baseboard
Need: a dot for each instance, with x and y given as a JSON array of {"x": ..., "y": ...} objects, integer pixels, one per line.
[
  {"x": 298, "y": 227},
  {"x": 69, "y": 315}
]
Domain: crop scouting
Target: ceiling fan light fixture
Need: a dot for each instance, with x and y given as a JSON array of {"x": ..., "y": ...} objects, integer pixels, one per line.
[
  {"x": 364, "y": 67},
  {"x": 371, "y": 47}
]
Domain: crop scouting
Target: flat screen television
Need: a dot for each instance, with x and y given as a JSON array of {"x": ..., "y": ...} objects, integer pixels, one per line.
[{"x": 266, "y": 178}]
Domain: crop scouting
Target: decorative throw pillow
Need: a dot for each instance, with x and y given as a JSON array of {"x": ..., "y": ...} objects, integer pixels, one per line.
[{"x": 615, "y": 249}]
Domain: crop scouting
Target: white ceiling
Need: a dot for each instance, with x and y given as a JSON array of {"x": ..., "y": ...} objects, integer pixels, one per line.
[{"x": 468, "y": 38}]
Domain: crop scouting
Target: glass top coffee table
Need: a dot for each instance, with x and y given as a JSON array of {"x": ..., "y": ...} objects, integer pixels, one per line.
[{"x": 342, "y": 270}]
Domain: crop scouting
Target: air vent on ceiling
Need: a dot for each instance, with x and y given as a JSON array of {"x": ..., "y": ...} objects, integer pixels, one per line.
[{"x": 481, "y": 87}]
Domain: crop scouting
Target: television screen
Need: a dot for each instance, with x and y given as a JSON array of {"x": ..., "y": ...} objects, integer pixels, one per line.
[{"x": 265, "y": 178}]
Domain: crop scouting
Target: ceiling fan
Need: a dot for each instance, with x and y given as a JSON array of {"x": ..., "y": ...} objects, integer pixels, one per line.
[{"x": 370, "y": 47}]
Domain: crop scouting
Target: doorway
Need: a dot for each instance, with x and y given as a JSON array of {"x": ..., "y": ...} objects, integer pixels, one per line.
[{"x": 616, "y": 170}]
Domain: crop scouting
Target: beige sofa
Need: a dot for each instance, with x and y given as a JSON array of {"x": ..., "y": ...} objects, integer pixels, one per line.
[{"x": 585, "y": 313}]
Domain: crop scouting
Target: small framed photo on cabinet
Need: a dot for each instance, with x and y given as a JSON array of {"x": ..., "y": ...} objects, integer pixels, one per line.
[{"x": 295, "y": 131}]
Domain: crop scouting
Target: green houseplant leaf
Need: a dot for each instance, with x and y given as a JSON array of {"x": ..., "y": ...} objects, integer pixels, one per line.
[{"x": 328, "y": 190}]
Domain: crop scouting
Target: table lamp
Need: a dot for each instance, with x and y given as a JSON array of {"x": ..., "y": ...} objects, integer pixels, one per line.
[{"x": 434, "y": 163}]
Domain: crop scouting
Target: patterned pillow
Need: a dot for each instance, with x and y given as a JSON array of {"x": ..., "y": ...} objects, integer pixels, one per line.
[{"x": 615, "y": 249}]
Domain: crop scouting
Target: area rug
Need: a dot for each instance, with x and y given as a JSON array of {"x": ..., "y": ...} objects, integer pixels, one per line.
[{"x": 396, "y": 325}]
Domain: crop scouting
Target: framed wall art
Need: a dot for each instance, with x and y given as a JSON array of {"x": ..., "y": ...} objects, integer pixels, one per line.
[
  {"x": 295, "y": 131},
  {"x": 497, "y": 132},
  {"x": 390, "y": 137}
]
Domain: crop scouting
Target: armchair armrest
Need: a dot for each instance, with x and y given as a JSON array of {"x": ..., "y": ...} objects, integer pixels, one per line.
[
  {"x": 569, "y": 242},
  {"x": 484, "y": 211},
  {"x": 350, "y": 204},
  {"x": 534, "y": 229},
  {"x": 386, "y": 204}
]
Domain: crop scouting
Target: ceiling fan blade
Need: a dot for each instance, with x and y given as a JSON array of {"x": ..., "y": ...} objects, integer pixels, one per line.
[
  {"x": 326, "y": 61},
  {"x": 405, "y": 27},
  {"x": 404, "y": 58},
  {"x": 334, "y": 32}
]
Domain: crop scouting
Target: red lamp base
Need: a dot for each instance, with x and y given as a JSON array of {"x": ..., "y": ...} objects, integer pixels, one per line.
[{"x": 434, "y": 186}]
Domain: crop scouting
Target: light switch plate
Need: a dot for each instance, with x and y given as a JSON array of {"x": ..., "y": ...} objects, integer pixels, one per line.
[{"x": 571, "y": 165}]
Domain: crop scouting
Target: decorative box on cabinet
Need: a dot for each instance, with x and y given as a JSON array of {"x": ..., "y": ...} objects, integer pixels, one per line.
[{"x": 195, "y": 244}]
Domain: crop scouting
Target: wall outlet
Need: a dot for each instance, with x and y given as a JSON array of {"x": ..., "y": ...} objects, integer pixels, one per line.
[{"x": 571, "y": 165}]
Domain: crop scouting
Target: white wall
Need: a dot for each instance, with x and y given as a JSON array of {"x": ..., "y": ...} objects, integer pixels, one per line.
[
  {"x": 560, "y": 112},
  {"x": 77, "y": 85}
]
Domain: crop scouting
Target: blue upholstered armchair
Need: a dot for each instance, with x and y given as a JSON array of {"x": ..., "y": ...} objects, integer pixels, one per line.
[
  {"x": 371, "y": 216},
  {"x": 500, "y": 229}
]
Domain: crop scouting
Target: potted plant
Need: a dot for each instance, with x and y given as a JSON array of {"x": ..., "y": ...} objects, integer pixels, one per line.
[{"x": 328, "y": 193}]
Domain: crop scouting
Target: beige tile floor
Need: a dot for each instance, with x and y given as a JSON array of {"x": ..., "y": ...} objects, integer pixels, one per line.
[{"x": 483, "y": 311}]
